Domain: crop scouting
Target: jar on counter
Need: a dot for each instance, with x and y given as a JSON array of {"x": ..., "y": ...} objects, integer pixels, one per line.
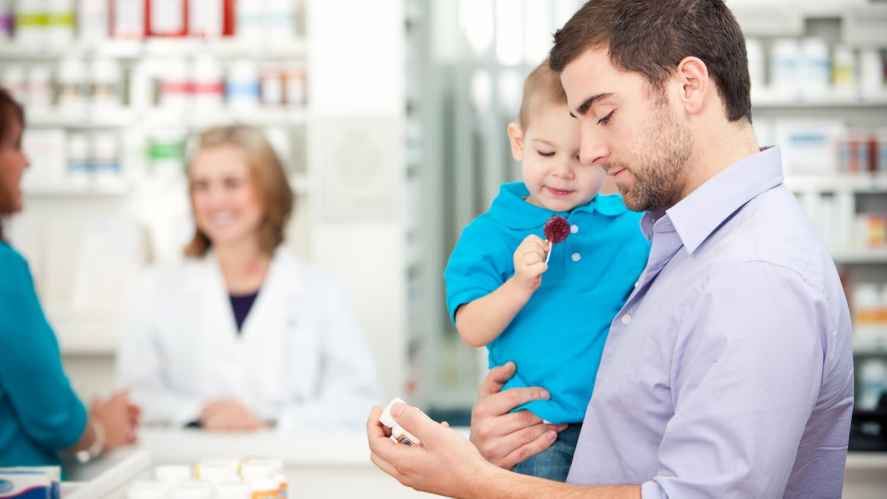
[{"x": 107, "y": 84}]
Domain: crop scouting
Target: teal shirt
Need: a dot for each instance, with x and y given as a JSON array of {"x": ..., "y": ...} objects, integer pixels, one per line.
[
  {"x": 557, "y": 339},
  {"x": 39, "y": 412}
]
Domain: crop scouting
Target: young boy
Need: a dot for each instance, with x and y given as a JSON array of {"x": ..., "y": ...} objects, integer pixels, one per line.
[{"x": 550, "y": 318}]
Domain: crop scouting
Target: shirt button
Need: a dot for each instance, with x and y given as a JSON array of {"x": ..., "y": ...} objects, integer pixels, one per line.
[
  {"x": 626, "y": 319},
  {"x": 576, "y": 257},
  {"x": 574, "y": 228}
]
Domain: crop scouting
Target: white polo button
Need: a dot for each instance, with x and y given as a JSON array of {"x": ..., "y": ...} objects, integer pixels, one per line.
[
  {"x": 626, "y": 319},
  {"x": 576, "y": 257},
  {"x": 574, "y": 228}
]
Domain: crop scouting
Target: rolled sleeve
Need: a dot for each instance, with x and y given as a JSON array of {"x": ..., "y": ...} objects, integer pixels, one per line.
[
  {"x": 478, "y": 265},
  {"x": 744, "y": 384}
]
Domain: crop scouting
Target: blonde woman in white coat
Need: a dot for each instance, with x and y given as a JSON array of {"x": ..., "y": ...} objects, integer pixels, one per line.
[{"x": 242, "y": 336}]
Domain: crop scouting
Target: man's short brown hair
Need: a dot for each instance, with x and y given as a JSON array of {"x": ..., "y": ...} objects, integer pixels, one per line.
[
  {"x": 541, "y": 88},
  {"x": 652, "y": 37}
]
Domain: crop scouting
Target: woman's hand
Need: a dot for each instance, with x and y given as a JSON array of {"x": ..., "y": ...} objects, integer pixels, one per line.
[
  {"x": 119, "y": 418},
  {"x": 229, "y": 415},
  {"x": 502, "y": 437}
]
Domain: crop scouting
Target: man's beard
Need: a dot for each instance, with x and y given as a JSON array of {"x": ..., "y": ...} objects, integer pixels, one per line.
[{"x": 661, "y": 175}]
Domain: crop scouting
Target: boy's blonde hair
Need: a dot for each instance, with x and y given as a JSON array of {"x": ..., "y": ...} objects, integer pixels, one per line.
[{"x": 541, "y": 88}]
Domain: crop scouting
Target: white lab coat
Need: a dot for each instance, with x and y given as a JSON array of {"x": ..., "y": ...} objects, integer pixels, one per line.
[{"x": 300, "y": 360}]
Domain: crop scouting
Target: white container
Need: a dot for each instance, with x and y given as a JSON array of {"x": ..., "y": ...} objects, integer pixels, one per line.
[
  {"x": 815, "y": 68},
  {"x": 167, "y": 18},
  {"x": 73, "y": 87},
  {"x": 30, "y": 24},
  {"x": 191, "y": 490},
  {"x": 218, "y": 471},
  {"x": 107, "y": 84},
  {"x": 166, "y": 154},
  {"x": 80, "y": 167},
  {"x": 147, "y": 490},
  {"x": 7, "y": 20},
  {"x": 105, "y": 153},
  {"x": 872, "y": 383},
  {"x": 209, "y": 83},
  {"x": 265, "y": 476},
  {"x": 272, "y": 86},
  {"x": 46, "y": 148},
  {"x": 785, "y": 62},
  {"x": 174, "y": 84},
  {"x": 296, "y": 94},
  {"x": 233, "y": 490},
  {"x": 810, "y": 147},
  {"x": 242, "y": 90},
  {"x": 172, "y": 474},
  {"x": 756, "y": 64},
  {"x": 871, "y": 73},
  {"x": 59, "y": 22},
  {"x": 13, "y": 79},
  {"x": 281, "y": 20},
  {"x": 206, "y": 18},
  {"x": 93, "y": 20},
  {"x": 251, "y": 20},
  {"x": 844, "y": 79},
  {"x": 39, "y": 88},
  {"x": 127, "y": 19}
]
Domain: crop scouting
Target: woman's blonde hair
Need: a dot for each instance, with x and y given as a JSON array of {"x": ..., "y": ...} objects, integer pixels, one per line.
[{"x": 268, "y": 179}]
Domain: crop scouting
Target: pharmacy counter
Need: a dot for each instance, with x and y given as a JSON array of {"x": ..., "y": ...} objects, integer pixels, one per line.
[{"x": 333, "y": 466}]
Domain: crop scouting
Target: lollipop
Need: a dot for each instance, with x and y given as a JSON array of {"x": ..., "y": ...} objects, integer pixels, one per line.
[{"x": 556, "y": 231}]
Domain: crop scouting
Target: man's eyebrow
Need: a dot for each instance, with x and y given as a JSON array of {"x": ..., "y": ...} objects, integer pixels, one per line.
[{"x": 583, "y": 108}]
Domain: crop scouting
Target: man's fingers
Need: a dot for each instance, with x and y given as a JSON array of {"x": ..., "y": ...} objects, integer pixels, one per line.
[
  {"x": 385, "y": 466},
  {"x": 497, "y": 377},
  {"x": 415, "y": 421},
  {"x": 535, "y": 446},
  {"x": 503, "y": 402}
]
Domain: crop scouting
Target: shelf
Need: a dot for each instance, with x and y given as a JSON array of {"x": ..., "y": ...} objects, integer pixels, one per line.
[
  {"x": 160, "y": 48},
  {"x": 96, "y": 118},
  {"x": 74, "y": 190},
  {"x": 839, "y": 182},
  {"x": 826, "y": 102},
  {"x": 862, "y": 255},
  {"x": 195, "y": 118},
  {"x": 184, "y": 117}
]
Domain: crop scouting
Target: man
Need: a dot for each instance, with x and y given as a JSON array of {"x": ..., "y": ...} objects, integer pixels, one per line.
[{"x": 728, "y": 372}]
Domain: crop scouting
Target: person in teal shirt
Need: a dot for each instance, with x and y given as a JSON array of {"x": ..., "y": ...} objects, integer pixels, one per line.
[
  {"x": 40, "y": 415},
  {"x": 545, "y": 307}
]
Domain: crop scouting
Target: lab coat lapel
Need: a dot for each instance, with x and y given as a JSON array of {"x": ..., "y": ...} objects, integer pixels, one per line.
[{"x": 220, "y": 333}]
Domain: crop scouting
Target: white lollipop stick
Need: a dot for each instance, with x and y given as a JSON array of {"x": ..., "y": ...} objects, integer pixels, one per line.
[{"x": 550, "y": 247}]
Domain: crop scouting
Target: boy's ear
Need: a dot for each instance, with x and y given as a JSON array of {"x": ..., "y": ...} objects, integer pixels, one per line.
[{"x": 516, "y": 138}]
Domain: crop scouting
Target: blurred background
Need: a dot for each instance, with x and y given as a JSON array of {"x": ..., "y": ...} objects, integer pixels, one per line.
[{"x": 391, "y": 117}]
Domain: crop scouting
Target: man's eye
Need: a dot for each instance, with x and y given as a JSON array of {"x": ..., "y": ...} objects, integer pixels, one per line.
[
  {"x": 546, "y": 154},
  {"x": 606, "y": 119}
]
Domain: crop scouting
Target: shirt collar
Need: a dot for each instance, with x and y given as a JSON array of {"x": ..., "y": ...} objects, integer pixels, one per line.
[
  {"x": 699, "y": 214},
  {"x": 512, "y": 209}
]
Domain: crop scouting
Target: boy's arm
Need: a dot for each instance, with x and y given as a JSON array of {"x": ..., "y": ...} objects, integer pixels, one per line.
[{"x": 481, "y": 321}]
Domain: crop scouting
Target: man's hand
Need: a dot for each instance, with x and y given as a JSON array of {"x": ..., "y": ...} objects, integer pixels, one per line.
[
  {"x": 445, "y": 463},
  {"x": 502, "y": 437},
  {"x": 529, "y": 262},
  {"x": 229, "y": 415}
]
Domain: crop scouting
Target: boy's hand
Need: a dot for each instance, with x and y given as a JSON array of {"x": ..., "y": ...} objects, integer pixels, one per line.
[{"x": 529, "y": 262}]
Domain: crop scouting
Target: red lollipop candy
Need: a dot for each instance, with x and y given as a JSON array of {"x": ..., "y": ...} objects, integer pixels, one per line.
[{"x": 557, "y": 229}]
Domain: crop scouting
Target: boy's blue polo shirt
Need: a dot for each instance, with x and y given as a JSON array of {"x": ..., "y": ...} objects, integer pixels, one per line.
[{"x": 557, "y": 339}]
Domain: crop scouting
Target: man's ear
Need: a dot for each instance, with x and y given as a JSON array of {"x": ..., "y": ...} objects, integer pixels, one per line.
[
  {"x": 695, "y": 83},
  {"x": 516, "y": 138}
]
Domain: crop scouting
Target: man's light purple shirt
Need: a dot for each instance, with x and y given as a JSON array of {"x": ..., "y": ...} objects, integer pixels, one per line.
[{"x": 729, "y": 371}]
